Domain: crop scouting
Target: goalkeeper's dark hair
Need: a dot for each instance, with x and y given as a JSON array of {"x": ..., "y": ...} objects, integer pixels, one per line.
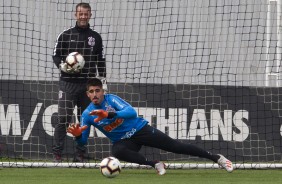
[
  {"x": 83, "y": 5},
  {"x": 94, "y": 82}
]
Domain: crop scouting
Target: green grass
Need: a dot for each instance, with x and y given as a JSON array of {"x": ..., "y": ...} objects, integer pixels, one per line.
[{"x": 138, "y": 176}]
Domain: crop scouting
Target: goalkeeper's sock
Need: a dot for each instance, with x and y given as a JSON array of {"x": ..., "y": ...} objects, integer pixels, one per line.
[
  {"x": 214, "y": 157},
  {"x": 151, "y": 163},
  {"x": 57, "y": 157}
]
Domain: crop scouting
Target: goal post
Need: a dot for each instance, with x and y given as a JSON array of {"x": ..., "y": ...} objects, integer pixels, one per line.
[
  {"x": 273, "y": 32},
  {"x": 204, "y": 72}
]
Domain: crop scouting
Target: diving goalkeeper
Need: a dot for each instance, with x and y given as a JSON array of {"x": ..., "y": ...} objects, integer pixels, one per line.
[{"x": 119, "y": 122}]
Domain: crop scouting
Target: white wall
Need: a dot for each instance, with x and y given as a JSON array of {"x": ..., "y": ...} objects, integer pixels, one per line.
[{"x": 176, "y": 42}]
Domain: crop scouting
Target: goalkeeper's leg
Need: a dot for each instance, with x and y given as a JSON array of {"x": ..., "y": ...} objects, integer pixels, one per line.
[
  {"x": 65, "y": 113},
  {"x": 152, "y": 137},
  {"x": 128, "y": 151},
  {"x": 83, "y": 101}
]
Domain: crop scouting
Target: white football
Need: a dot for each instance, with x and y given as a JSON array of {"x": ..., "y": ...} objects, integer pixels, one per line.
[
  {"x": 75, "y": 62},
  {"x": 110, "y": 167}
]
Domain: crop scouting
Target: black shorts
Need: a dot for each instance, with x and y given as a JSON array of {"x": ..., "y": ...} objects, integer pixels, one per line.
[{"x": 149, "y": 136}]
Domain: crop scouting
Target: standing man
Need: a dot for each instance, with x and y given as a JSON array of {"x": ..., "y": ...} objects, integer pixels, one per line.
[
  {"x": 118, "y": 120},
  {"x": 82, "y": 39}
]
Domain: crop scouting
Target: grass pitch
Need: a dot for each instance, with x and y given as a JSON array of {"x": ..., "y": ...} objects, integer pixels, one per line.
[{"x": 132, "y": 176}]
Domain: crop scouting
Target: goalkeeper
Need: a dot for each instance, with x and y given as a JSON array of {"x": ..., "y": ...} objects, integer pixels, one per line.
[
  {"x": 119, "y": 122},
  {"x": 80, "y": 38}
]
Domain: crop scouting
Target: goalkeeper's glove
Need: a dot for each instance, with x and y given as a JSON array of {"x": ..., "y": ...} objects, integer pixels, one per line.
[
  {"x": 75, "y": 129},
  {"x": 102, "y": 114},
  {"x": 104, "y": 82},
  {"x": 64, "y": 67},
  {"x": 72, "y": 70}
]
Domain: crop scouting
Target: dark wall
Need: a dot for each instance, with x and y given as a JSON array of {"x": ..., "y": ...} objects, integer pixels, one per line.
[{"x": 263, "y": 105}]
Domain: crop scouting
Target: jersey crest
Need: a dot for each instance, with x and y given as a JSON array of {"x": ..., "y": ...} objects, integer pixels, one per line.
[
  {"x": 91, "y": 41},
  {"x": 109, "y": 108}
]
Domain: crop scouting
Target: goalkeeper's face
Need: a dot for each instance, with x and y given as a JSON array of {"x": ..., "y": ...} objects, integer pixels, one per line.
[
  {"x": 83, "y": 16},
  {"x": 95, "y": 94}
]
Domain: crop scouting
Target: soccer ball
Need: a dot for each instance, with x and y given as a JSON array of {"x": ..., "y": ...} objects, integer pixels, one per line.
[
  {"x": 110, "y": 167},
  {"x": 75, "y": 62}
]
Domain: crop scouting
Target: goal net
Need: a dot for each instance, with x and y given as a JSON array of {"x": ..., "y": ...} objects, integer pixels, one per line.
[{"x": 204, "y": 72}]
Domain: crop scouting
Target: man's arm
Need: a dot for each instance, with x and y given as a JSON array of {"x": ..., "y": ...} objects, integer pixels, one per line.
[
  {"x": 82, "y": 139},
  {"x": 57, "y": 53},
  {"x": 57, "y": 61},
  {"x": 101, "y": 64},
  {"x": 124, "y": 110},
  {"x": 102, "y": 67}
]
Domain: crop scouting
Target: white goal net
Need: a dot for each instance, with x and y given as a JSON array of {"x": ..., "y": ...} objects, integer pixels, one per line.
[{"x": 203, "y": 72}]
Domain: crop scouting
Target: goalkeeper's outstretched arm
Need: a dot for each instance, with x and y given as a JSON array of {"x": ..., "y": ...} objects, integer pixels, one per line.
[{"x": 82, "y": 139}]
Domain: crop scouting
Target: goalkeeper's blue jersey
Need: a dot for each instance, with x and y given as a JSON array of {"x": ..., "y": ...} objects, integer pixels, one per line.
[{"x": 125, "y": 124}]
